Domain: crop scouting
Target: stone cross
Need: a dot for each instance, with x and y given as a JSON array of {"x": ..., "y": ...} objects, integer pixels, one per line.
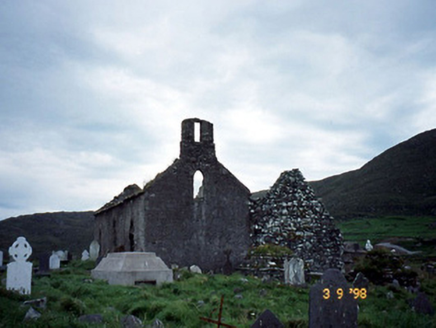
[
  {"x": 94, "y": 250},
  {"x": 1, "y": 258},
  {"x": 19, "y": 272},
  {"x": 55, "y": 261},
  {"x": 267, "y": 320},
  {"x": 332, "y": 303},
  {"x": 85, "y": 255},
  {"x": 294, "y": 272}
]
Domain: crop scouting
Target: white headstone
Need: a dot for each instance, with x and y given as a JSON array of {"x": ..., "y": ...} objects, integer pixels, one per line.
[
  {"x": 195, "y": 269},
  {"x": 19, "y": 273},
  {"x": 294, "y": 271},
  {"x": 85, "y": 255},
  {"x": 63, "y": 255},
  {"x": 94, "y": 250},
  {"x": 1, "y": 258},
  {"x": 368, "y": 246},
  {"x": 55, "y": 261}
]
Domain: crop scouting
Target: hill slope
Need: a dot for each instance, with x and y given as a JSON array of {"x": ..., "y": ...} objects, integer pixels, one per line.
[
  {"x": 46, "y": 232},
  {"x": 401, "y": 180}
]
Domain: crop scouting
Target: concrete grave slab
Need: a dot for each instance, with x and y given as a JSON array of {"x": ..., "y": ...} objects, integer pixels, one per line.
[{"x": 132, "y": 268}]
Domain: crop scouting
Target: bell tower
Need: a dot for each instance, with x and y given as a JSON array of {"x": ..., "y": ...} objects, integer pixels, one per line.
[{"x": 197, "y": 141}]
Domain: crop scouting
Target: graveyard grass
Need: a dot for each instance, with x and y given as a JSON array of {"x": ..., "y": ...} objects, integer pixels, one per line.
[
  {"x": 71, "y": 292},
  {"x": 413, "y": 233}
]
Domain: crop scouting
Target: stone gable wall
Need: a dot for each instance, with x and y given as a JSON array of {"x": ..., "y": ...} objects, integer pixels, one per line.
[
  {"x": 168, "y": 220},
  {"x": 290, "y": 215}
]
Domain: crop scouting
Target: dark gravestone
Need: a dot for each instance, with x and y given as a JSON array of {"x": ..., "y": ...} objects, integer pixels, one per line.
[
  {"x": 422, "y": 305},
  {"x": 267, "y": 320},
  {"x": 361, "y": 281},
  {"x": 228, "y": 267},
  {"x": 331, "y": 304},
  {"x": 44, "y": 263}
]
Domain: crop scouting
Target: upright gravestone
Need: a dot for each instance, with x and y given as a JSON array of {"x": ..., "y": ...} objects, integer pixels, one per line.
[
  {"x": 94, "y": 250},
  {"x": 332, "y": 303},
  {"x": 44, "y": 263},
  {"x": 294, "y": 272},
  {"x": 55, "y": 261},
  {"x": 19, "y": 274},
  {"x": 267, "y": 320},
  {"x": 1, "y": 258},
  {"x": 63, "y": 255},
  {"x": 85, "y": 255}
]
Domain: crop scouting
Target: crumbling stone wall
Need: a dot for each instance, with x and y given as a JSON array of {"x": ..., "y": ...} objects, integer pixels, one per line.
[
  {"x": 169, "y": 221},
  {"x": 165, "y": 218},
  {"x": 290, "y": 215}
]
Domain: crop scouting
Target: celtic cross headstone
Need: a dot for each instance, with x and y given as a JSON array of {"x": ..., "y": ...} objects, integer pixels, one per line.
[{"x": 19, "y": 272}]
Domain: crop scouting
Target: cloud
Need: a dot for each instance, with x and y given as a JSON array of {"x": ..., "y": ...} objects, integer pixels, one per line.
[{"x": 93, "y": 94}]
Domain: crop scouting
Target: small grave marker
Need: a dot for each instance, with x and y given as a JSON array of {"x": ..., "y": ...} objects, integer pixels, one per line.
[
  {"x": 19, "y": 273},
  {"x": 94, "y": 250},
  {"x": 218, "y": 322},
  {"x": 55, "y": 261},
  {"x": 63, "y": 255},
  {"x": 85, "y": 255},
  {"x": 44, "y": 263},
  {"x": 332, "y": 303},
  {"x": 267, "y": 320},
  {"x": 294, "y": 272}
]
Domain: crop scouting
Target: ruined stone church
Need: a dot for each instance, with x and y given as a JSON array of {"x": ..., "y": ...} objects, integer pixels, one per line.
[{"x": 165, "y": 218}]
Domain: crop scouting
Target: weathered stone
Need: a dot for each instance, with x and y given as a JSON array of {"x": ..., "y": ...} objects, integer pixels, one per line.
[
  {"x": 132, "y": 268},
  {"x": 156, "y": 324},
  {"x": 294, "y": 272},
  {"x": 361, "y": 281},
  {"x": 32, "y": 314},
  {"x": 63, "y": 255},
  {"x": 91, "y": 318},
  {"x": 85, "y": 255},
  {"x": 267, "y": 320},
  {"x": 1, "y": 258},
  {"x": 195, "y": 269},
  {"x": 368, "y": 246},
  {"x": 19, "y": 272},
  {"x": 44, "y": 263},
  {"x": 290, "y": 215},
  {"x": 331, "y": 304},
  {"x": 164, "y": 217},
  {"x": 39, "y": 303},
  {"x": 422, "y": 305},
  {"x": 130, "y": 321},
  {"x": 94, "y": 250},
  {"x": 54, "y": 262}
]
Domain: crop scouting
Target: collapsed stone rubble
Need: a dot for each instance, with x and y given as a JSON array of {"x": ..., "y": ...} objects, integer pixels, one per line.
[{"x": 290, "y": 215}]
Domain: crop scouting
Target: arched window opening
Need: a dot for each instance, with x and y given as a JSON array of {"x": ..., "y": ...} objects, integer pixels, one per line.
[
  {"x": 197, "y": 131},
  {"x": 198, "y": 185}
]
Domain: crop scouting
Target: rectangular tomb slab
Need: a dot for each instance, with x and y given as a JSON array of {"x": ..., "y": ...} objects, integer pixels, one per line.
[{"x": 130, "y": 268}]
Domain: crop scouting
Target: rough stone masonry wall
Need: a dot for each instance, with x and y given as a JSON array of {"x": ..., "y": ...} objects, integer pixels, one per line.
[{"x": 290, "y": 215}]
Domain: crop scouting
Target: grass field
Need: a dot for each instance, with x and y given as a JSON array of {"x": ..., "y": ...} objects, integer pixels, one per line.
[
  {"x": 71, "y": 293},
  {"x": 414, "y": 233}
]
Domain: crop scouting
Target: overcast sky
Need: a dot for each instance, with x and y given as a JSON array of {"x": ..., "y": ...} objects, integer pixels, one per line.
[{"x": 93, "y": 92}]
